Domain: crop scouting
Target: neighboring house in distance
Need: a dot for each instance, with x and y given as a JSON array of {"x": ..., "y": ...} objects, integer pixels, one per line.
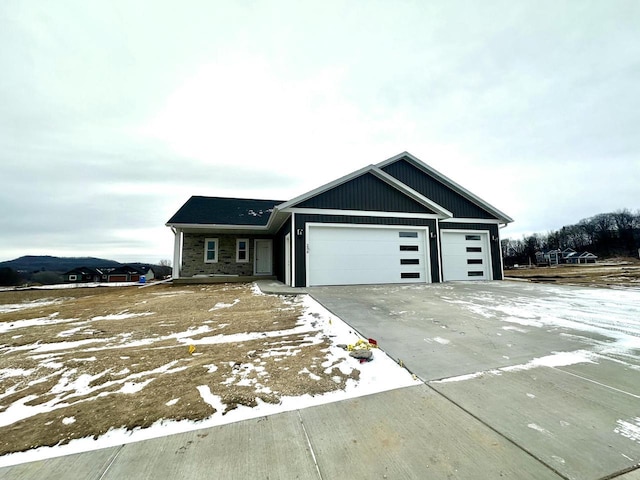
[
  {"x": 82, "y": 275},
  {"x": 584, "y": 257},
  {"x": 399, "y": 221},
  {"x": 568, "y": 255},
  {"x": 129, "y": 273},
  {"x": 146, "y": 270}
]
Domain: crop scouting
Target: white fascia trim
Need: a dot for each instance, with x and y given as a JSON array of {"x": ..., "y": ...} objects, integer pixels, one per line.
[
  {"x": 447, "y": 181},
  {"x": 487, "y": 221},
  {"x": 214, "y": 226},
  {"x": 362, "y": 213}
]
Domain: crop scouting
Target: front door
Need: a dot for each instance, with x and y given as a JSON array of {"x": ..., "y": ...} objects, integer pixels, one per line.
[{"x": 263, "y": 255}]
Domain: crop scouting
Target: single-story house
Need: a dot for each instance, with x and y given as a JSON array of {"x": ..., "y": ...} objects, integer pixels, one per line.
[
  {"x": 399, "y": 221},
  {"x": 584, "y": 257},
  {"x": 127, "y": 273},
  {"x": 82, "y": 275}
]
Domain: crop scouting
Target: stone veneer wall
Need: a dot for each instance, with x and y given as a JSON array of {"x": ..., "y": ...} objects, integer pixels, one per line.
[{"x": 193, "y": 256}]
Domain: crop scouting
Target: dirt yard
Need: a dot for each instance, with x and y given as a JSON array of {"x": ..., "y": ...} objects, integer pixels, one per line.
[
  {"x": 77, "y": 362},
  {"x": 613, "y": 273}
]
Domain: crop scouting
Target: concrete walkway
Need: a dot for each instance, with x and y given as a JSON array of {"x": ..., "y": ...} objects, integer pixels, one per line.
[
  {"x": 529, "y": 423},
  {"x": 406, "y": 433}
]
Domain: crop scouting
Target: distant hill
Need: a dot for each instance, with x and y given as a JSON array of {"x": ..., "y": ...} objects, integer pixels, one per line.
[{"x": 37, "y": 263}]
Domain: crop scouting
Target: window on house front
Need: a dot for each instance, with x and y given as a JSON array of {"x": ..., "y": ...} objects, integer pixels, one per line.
[
  {"x": 211, "y": 250},
  {"x": 242, "y": 250},
  {"x": 73, "y": 278}
]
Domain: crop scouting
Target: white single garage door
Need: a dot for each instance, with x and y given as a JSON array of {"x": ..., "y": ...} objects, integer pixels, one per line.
[
  {"x": 465, "y": 255},
  {"x": 346, "y": 255}
]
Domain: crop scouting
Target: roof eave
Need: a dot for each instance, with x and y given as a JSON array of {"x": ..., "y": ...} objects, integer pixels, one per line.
[{"x": 215, "y": 226}]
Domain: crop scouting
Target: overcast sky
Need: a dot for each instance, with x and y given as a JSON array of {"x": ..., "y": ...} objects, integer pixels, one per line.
[{"x": 113, "y": 113}]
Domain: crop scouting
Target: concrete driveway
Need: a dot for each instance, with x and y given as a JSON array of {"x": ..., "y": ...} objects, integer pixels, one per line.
[
  {"x": 521, "y": 381},
  {"x": 553, "y": 369}
]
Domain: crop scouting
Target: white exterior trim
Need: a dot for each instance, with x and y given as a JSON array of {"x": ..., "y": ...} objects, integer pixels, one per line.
[
  {"x": 488, "y": 221},
  {"x": 206, "y": 250},
  {"x": 293, "y": 249},
  {"x": 246, "y": 250},
  {"x": 362, "y": 213},
  {"x": 215, "y": 226},
  {"x": 177, "y": 252},
  {"x": 287, "y": 259}
]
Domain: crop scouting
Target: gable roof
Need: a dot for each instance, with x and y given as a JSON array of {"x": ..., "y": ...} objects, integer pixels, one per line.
[
  {"x": 379, "y": 174},
  {"x": 83, "y": 271},
  {"x": 417, "y": 163},
  {"x": 223, "y": 211},
  {"x": 241, "y": 214}
]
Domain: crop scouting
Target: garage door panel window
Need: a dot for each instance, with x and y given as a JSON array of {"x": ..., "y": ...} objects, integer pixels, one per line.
[
  {"x": 474, "y": 249},
  {"x": 408, "y": 234},
  {"x": 410, "y": 275},
  {"x": 409, "y": 261},
  {"x": 472, "y": 237},
  {"x": 478, "y": 273},
  {"x": 409, "y": 248},
  {"x": 474, "y": 261}
]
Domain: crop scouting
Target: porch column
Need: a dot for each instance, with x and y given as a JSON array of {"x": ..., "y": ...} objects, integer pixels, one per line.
[{"x": 177, "y": 244}]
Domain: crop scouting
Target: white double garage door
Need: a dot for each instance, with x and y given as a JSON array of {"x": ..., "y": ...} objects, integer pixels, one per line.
[{"x": 359, "y": 255}]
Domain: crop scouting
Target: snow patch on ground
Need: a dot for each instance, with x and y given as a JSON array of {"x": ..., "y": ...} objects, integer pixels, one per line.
[
  {"x": 629, "y": 429},
  {"x": 15, "y": 307},
  {"x": 538, "y": 428},
  {"x": 121, "y": 316},
  {"x": 558, "y": 359},
  {"x": 220, "y": 305},
  {"x": 316, "y": 324}
]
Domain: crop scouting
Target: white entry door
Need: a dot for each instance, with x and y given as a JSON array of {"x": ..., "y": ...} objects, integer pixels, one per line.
[
  {"x": 465, "y": 255},
  {"x": 358, "y": 255},
  {"x": 263, "y": 257}
]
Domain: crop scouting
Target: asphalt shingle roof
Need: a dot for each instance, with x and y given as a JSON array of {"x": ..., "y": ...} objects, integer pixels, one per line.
[{"x": 224, "y": 211}]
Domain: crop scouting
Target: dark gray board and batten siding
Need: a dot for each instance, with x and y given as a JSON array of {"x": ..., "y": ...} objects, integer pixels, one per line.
[
  {"x": 368, "y": 193},
  {"x": 435, "y": 190}
]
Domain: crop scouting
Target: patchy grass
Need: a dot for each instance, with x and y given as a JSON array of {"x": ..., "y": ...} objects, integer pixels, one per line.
[
  {"x": 77, "y": 363},
  {"x": 614, "y": 273}
]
